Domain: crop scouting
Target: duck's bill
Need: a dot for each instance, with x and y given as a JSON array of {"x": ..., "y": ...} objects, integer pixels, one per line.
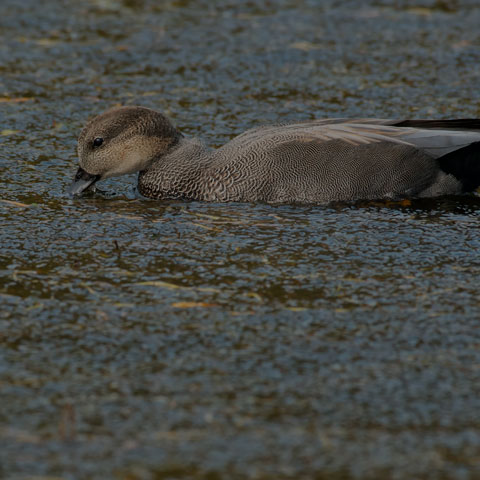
[{"x": 82, "y": 182}]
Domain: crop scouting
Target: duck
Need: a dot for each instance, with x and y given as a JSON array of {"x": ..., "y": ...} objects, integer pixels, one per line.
[{"x": 315, "y": 162}]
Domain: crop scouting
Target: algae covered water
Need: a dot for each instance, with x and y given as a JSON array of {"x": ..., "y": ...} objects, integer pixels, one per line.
[{"x": 153, "y": 340}]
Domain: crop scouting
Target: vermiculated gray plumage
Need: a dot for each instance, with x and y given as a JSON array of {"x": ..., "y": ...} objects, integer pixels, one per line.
[{"x": 313, "y": 162}]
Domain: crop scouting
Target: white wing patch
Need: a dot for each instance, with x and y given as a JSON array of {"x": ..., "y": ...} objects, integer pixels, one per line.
[{"x": 440, "y": 142}]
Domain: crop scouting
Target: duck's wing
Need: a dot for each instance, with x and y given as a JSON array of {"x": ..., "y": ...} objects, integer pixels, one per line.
[
  {"x": 436, "y": 138},
  {"x": 436, "y": 142}
]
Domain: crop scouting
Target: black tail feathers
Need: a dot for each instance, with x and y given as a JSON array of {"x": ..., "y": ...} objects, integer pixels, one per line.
[{"x": 464, "y": 164}]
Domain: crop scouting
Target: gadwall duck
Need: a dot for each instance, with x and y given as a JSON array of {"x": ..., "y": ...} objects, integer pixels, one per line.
[{"x": 318, "y": 161}]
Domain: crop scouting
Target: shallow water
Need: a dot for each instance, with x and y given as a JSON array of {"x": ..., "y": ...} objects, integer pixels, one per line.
[{"x": 149, "y": 340}]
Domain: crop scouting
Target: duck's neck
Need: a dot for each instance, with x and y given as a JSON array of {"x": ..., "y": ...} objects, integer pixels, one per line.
[{"x": 177, "y": 174}]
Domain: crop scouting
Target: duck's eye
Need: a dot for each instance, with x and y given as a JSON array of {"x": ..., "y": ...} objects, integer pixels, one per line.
[{"x": 98, "y": 141}]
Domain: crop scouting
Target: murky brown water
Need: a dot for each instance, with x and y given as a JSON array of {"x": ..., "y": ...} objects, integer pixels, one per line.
[{"x": 144, "y": 340}]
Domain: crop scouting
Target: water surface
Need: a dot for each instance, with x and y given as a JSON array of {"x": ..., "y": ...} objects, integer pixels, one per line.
[{"x": 150, "y": 340}]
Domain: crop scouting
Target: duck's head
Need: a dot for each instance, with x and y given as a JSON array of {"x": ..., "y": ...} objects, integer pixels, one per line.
[{"x": 120, "y": 141}]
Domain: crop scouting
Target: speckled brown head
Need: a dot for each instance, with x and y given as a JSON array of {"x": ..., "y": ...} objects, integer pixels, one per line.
[{"x": 120, "y": 141}]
